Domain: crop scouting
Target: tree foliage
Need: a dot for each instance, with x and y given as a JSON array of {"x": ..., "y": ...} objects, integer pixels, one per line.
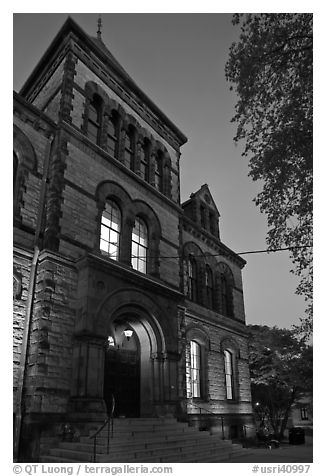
[
  {"x": 280, "y": 371},
  {"x": 271, "y": 71}
]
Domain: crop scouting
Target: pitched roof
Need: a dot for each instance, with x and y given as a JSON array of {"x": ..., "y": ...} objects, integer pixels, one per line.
[{"x": 103, "y": 53}]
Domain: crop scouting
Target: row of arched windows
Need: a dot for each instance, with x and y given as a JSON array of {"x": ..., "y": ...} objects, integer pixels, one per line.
[
  {"x": 110, "y": 127},
  {"x": 196, "y": 384},
  {"x": 211, "y": 286}
]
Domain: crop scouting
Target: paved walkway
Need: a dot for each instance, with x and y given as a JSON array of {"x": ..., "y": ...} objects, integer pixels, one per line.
[{"x": 285, "y": 454}]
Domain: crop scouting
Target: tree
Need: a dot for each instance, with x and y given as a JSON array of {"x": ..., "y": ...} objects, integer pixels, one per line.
[
  {"x": 271, "y": 71},
  {"x": 280, "y": 371}
]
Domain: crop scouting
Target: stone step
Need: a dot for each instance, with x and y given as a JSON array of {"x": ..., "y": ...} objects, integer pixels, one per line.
[
  {"x": 138, "y": 449},
  {"x": 158, "y": 441},
  {"x": 147, "y": 436},
  {"x": 154, "y": 441}
]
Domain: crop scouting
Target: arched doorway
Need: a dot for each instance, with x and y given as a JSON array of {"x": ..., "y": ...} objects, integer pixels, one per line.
[
  {"x": 134, "y": 365},
  {"x": 122, "y": 370}
]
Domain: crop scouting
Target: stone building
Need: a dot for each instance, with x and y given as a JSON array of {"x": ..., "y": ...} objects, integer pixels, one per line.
[{"x": 103, "y": 247}]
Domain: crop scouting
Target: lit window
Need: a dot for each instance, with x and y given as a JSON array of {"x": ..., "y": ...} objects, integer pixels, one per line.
[
  {"x": 194, "y": 372},
  {"x": 139, "y": 246},
  {"x": 94, "y": 119},
  {"x": 110, "y": 230},
  {"x": 228, "y": 364}
]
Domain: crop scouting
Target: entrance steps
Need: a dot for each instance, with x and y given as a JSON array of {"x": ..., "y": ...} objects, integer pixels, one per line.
[{"x": 147, "y": 440}]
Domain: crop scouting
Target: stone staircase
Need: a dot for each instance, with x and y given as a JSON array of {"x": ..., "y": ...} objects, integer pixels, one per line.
[{"x": 147, "y": 440}]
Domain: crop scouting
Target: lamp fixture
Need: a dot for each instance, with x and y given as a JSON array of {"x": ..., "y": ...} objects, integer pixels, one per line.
[{"x": 128, "y": 333}]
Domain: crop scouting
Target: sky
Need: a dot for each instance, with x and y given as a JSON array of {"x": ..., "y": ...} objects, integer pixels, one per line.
[{"x": 178, "y": 60}]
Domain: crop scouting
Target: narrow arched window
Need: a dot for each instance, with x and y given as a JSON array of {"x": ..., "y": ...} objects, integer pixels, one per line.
[
  {"x": 130, "y": 149},
  {"x": 94, "y": 119},
  {"x": 158, "y": 173},
  {"x": 112, "y": 134},
  {"x": 194, "y": 371},
  {"x": 209, "y": 286},
  {"x": 139, "y": 245},
  {"x": 144, "y": 161},
  {"x": 192, "y": 278},
  {"x": 110, "y": 230},
  {"x": 229, "y": 381}
]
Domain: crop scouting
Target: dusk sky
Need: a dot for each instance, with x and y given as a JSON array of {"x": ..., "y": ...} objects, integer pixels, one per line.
[{"x": 178, "y": 61}]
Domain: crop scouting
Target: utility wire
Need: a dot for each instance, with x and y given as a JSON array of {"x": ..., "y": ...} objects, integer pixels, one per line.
[{"x": 242, "y": 253}]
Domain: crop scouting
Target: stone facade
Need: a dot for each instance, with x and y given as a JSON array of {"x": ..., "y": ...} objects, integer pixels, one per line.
[{"x": 73, "y": 300}]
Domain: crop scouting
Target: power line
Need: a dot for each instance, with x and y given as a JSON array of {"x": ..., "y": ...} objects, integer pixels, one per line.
[{"x": 242, "y": 253}]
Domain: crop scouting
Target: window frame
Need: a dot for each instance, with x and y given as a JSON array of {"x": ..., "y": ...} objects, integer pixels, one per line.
[
  {"x": 194, "y": 385},
  {"x": 136, "y": 257},
  {"x": 209, "y": 286},
  {"x": 96, "y": 103},
  {"x": 229, "y": 374},
  {"x": 144, "y": 160},
  {"x": 192, "y": 276},
  {"x": 112, "y": 140},
  {"x": 109, "y": 229}
]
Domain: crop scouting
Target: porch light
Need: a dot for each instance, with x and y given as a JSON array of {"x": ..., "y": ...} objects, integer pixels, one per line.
[{"x": 128, "y": 333}]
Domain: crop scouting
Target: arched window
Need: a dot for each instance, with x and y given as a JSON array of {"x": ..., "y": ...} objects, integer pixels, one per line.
[
  {"x": 158, "y": 176},
  {"x": 194, "y": 377},
  {"x": 192, "y": 278},
  {"x": 226, "y": 297},
  {"x": 202, "y": 216},
  {"x": 209, "y": 286},
  {"x": 144, "y": 161},
  {"x": 112, "y": 134},
  {"x": 94, "y": 119},
  {"x": 229, "y": 380},
  {"x": 110, "y": 230},
  {"x": 225, "y": 286},
  {"x": 139, "y": 245},
  {"x": 130, "y": 149}
]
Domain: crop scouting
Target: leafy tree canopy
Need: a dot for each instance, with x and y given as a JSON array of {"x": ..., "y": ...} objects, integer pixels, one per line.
[
  {"x": 272, "y": 73},
  {"x": 281, "y": 369}
]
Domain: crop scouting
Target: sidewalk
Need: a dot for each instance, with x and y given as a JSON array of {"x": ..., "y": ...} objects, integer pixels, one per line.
[{"x": 285, "y": 454}]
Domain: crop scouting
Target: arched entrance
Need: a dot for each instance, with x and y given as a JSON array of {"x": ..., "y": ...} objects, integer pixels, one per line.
[
  {"x": 122, "y": 370},
  {"x": 140, "y": 372},
  {"x": 134, "y": 365}
]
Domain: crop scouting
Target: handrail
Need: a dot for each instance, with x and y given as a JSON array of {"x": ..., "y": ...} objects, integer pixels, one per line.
[
  {"x": 108, "y": 421},
  {"x": 211, "y": 413}
]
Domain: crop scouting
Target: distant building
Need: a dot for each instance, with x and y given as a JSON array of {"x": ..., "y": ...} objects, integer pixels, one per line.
[
  {"x": 103, "y": 246},
  {"x": 302, "y": 413}
]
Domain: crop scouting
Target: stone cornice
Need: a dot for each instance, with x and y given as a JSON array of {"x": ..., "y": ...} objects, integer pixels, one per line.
[{"x": 118, "y": 269}]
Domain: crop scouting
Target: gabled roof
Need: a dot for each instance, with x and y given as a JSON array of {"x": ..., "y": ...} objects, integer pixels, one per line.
[
  {"x": 204, "y": 195},
  {"x": 97, "y": 46}
]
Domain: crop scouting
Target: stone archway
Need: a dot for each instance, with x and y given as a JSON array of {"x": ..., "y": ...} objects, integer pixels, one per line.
[
  {"x": 146, "y": 349},
  {"x": 132, "y": 309}
]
